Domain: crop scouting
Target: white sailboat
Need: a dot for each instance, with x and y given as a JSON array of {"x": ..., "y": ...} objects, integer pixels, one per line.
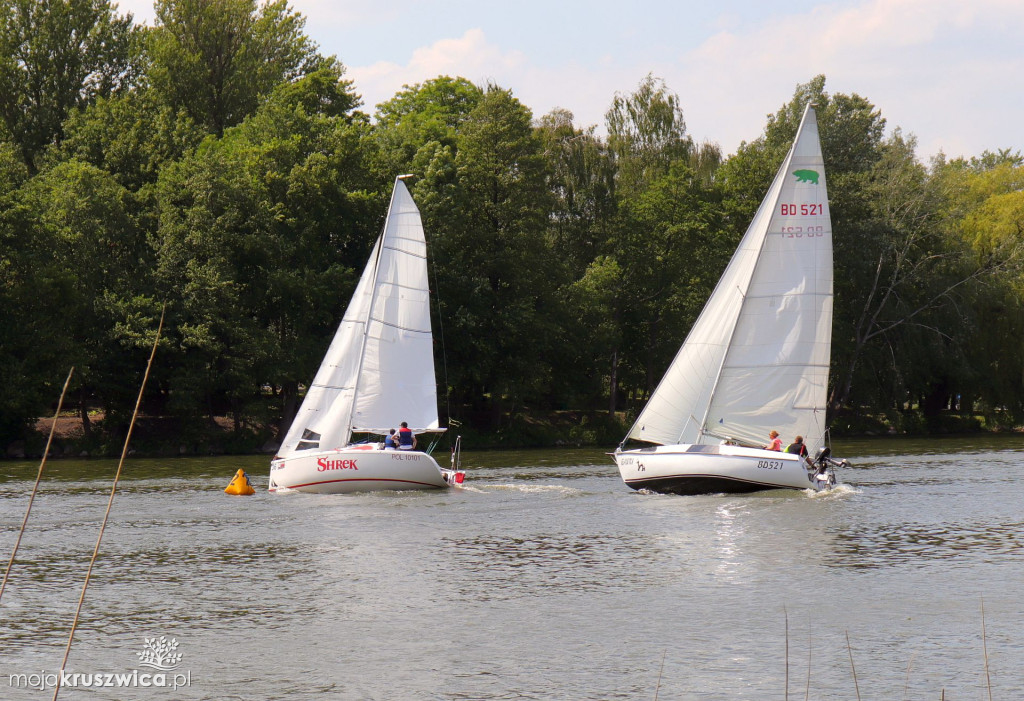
[
  {"x": 756, "y": 359},
  {"x": 378, "y": 371}
]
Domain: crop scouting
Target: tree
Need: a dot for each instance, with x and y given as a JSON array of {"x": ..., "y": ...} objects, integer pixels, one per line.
[
  {"x": 85, "y": 268},
  {"x": 674, "y": 251},
  {"x": 131, "y": 135},
  {"x": 485, "y": 210},
  {"x": 438, "y": 106},
  {"x": 217, "y": 59},
  {"x": 26, "y": 364},
  {"x": 646, "y": 133},
  {"x": 420, "y": 120},
  {"x": 660, "y": 231},
  {"x": 259, "y": 235},
  {"x": 984, "y": 207},
  {"x": 56, "y": 57},
  {"x": 582, "y": 182},
  {"x": 917, "y": 296},
  {"x": 901, "y": 281}
]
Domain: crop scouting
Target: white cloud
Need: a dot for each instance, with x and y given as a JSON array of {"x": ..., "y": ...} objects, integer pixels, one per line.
[
  {"x": 469, "y": 56},
  {"x": 915, "y": 59},
  {"x": 587, "y": 91},
  {"x": 141, "y": 10},
  {"x": 947, "y": 70}
]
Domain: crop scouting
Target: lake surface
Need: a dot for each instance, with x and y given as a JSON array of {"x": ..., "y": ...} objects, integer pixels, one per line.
[{"x": 545, "y": 578}]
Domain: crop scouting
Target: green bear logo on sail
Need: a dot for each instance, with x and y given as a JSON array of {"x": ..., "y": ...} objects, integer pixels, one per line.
[{"x": 806, "y": 176}]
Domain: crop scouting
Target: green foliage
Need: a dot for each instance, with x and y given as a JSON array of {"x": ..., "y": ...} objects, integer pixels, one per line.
[
  {"x": 217, "y": 59},
  {"x": 646, "y": 133},
  {"x": 673, "y": 251},
  {"x": 653, "y": 196},
  {"x": 420, "y": 123},
  {"x": 985, "y": 210},
  {"x": 55, "y": 57},
  {"x": 484, "y": 206},
  {"x": 78, "y": 251},
  {"x": 132, "y": 136},
  {"x": 258, "y": 238},
  {"x": 539, "y": 428},
  {"x": 225, "y": 172},
  {"x": 582, "y": 181}
]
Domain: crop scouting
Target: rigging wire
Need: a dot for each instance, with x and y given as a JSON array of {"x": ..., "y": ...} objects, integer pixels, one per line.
[
  {"x": 110, "y": 503},
  {"x": 35, "y": 488}
]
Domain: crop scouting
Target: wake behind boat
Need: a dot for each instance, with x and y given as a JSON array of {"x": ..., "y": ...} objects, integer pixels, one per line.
[
  {"x": 379, "y": 370},
  {"x": 756, "y": 359}
]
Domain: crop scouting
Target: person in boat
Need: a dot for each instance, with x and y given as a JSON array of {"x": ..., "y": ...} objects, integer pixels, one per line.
[
  {"x": 797, "y": 447},
  {"x": 774, "y": 442},
  {"x": 391, "y": 442},
  {"x": 406, "y": 438}
]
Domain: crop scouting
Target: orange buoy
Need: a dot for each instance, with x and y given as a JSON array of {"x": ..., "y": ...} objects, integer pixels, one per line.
[{"x": 240, "y": 485}]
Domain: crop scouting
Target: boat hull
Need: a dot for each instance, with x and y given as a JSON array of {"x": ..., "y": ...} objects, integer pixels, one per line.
[
  {"x": 705, "y": 469},
  {"x": 358, "y": 469}
]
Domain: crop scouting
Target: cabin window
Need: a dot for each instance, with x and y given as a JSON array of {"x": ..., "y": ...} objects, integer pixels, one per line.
[
  {"x": 309, "y": 440},
  {"x": 713, "y": 449}
]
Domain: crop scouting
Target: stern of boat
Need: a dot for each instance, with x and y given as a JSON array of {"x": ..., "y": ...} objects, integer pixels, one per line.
[{"x": 454, "y": 478}]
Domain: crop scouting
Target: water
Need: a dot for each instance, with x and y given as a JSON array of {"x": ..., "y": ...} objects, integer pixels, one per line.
[{"x": 546, "y": 578}]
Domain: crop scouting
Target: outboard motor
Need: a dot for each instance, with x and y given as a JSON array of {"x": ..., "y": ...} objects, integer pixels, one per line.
[
  {"x": 821, "y": 457},
  {"x": 824, "y": 461}
]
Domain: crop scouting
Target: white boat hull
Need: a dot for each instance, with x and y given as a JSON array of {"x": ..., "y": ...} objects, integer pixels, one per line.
[
  {"x": 714, "y": 469},
  {"x": 362, "y": 468}
]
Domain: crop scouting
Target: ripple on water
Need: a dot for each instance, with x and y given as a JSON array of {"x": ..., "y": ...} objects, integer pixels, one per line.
[
  {"x": 543, "y": 578},
  {"x": 919, "y": 545},
  {"x": 546, "y": 563}
]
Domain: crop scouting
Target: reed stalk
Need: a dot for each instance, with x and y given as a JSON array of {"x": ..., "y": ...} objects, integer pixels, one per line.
[
  {"x": 984, "y": 648},
  {"x": 35, "y": 487},
  {"x": 906, "y": 682},
  {"x": 853, "y": 668},
  {"x": 785, "y": 613},
  {"x": 110, "y": 504},
  {"x": 810, "y": 655},
  {"x": 657, "y": 687}
]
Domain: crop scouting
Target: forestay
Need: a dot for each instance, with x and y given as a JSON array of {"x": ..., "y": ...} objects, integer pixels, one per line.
[
  {"x": 758, "y": 356},
  {"x": 379, "y": 369}
]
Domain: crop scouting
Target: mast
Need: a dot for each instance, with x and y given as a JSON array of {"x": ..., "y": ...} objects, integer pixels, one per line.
[
  {"x": 757, "y": 355},
  {"x": 373, "y": 299},
  {"x": 767, "y": 203}
]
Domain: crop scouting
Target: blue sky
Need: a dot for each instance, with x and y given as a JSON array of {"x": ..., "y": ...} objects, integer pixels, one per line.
[{"x": 951, "y": 72}]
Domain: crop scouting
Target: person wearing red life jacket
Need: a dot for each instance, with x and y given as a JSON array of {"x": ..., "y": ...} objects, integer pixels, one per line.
[
  {"x": 406, "y": 438},
  {"x": 797, "y": 447}
]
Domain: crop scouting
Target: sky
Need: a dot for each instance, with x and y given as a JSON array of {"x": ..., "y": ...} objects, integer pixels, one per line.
[{"x": 950, "y": 72}]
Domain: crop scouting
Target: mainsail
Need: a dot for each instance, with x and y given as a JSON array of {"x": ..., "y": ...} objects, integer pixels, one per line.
[
  {"x": 757, "y": 357},
  {"x": 379, "y": 369}
]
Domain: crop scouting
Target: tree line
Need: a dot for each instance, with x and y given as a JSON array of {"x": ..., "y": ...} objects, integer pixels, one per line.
[{"x": 218, "y": 166}]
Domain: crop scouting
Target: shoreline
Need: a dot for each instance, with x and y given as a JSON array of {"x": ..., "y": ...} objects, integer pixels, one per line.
[{"x": 156, "y": 436}]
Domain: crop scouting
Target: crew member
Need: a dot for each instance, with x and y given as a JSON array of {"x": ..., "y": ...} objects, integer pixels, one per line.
[
  {"x": 406, "y": 438},
  {"x": 797, "y": 447}
]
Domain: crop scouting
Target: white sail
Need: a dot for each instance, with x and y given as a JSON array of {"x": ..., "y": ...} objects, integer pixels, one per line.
[
  {"x": 757, "y": 357},
  {"x": 379, "y": 369}
]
